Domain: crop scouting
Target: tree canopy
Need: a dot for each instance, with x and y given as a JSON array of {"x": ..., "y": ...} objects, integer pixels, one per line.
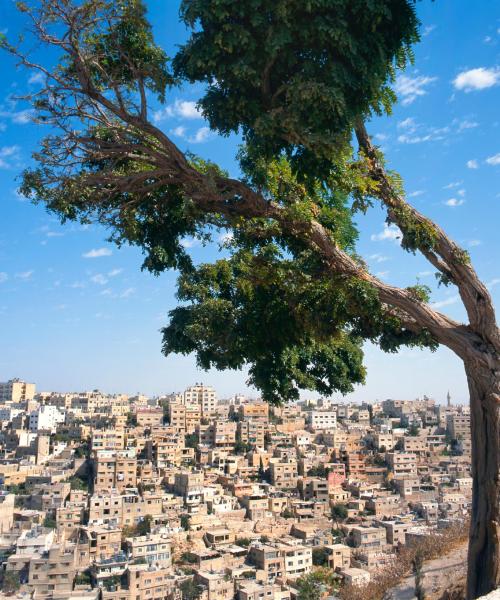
[{"x": 293, "y": 78}]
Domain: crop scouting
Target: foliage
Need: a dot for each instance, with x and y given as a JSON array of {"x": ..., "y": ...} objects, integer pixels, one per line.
[
  {"x": 291, "y": 74},
  {"x": 339, "y": 512},
  {"x": 78, "y": 483},
  {"x": 432, "y": 546},
  {"x": 191, "y": 440},
  {"x": 313, "y": 585},
  {"x": 131, "y": 420},
  {"x": 11, "y": 582},
  {"x": 270, "y": 306},
  {"x": 144, "y": 526},
  {"x": 185, "y": 522},
  {"x": 83, "y": 578},
  {"x": 243, "y": 542},
  {"x": 320, "y": 557},
  {"x": 318, "y": 471},
  {"x": 190, "y": 590},
  {"x": 413, "y": 430},
  {"x": 49, "y": 522}
]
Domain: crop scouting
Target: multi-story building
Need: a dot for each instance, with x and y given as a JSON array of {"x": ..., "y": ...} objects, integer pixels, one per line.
[
  {"x": 16, "y": 391},
  {"x": 108, "y": 439},
  {"x": 202, "y": 396},
  {"x": 256, "y": 411},
  {"x": 283, "y": 474},
  {"x": 151, "y": 548},
  {"x": 115, "y": 470},
  {"x": 46, "y": 418},
  {"x": 402, "y": 464},
  {"x": 323, "y": 419}
]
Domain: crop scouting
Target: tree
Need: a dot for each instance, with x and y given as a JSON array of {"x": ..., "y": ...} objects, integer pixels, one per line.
[
  {"x": 339, "y": 512},
  {"x": 190, "y": 590},
  {"x": 320, "y": 557},
  {"x": 292, "y": 300},
  {"x": 11, "y": 582},
  {"x": 144, "y": 526}
]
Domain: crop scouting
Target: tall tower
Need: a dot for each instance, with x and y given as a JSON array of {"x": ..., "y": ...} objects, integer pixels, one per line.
[{"x": 448, "y": 398}]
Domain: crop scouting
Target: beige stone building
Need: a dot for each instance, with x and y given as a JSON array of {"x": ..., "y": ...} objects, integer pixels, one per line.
[{"x": 115, "y": 470}]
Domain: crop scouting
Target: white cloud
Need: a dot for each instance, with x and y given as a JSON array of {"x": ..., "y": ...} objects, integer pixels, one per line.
[
  {"x": 184, "y": 109},
  {"x": 382, "y": 274},
  {"x": 454, "y": 202},
  {"x": 474, "y": 243},
  {"x": 446, "y": 302},
  {"x": 36, "y": 78},
  {"x": 410, "y": 88},
  {"x": 452, "y": 185},
  {"x": 381, "y": 137},
  {"x": 390, "y": 232},
  {"x": 428, "y": 30},
  {"x": 127, "y": 293},
  {"x": 408, "y": 124},
  {"x": 416, "y": 193},
  {"x": 99, "y": 279},
  {"x": 202, "y": 135},
  {"x": 477, "y": 79},
  {"x": 115, "y": 272},
  {"x": 21, "y": 117},
  {"x": 424, "y": 274},
  {"x": 472, "y": 164},
  {"x": 189, "y": 242},
  {"x": 97, "y": 253},
  {"x": 3, "y": 277},
  {"x": 493, "y": 160},
  {"x": 179, "y": 131},
  {"x": 492, "y": 283},
  {"x": 378, "y": 258},
  {"x": 8, "y": 153},
  {"x": 225, "y": 238},
  {"x": 24, "y": 275},
  {"x": 465, "y": 124}
]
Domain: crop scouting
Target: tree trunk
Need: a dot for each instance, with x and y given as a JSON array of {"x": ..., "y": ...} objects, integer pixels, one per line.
[{"x": 484, "y": 543}]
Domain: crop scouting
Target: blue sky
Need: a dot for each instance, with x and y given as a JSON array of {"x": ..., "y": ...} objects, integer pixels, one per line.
[{"x": 77, "y": 313}]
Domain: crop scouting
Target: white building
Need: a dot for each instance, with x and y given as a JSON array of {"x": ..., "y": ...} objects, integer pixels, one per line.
[
  {"x": 46, "y": 418},
  {"x": 323, "y": 419}
]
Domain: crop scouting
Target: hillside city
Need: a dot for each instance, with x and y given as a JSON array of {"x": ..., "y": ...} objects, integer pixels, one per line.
[{"x": 187, "y": 496}]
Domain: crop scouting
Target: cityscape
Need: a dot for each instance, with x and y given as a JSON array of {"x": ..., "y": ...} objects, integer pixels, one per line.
[{"x": 188, "y": 495}]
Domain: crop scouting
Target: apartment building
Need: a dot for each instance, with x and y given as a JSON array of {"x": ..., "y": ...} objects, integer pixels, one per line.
[
  {"x": 402, "y": 464},
  {"x": 458, "y": 426},
  {"x": 204, "y": 397},
  {"x": 253, "y": 432},
  {"x": 339, "y": 556},
  {"x": 149, "y": 417},
  {"x": 268, "y": 559},
  {"x": 16, "y": 391},
  {"x": 152, "y": 549},
  {"x": 256, "y": 411},
  {"x": 108, "y": 439},
  {"x": 115, "y": 470},
  {"x": 367, "y": 537},
  {"x": 46, "y": 418},
  {"x": 297, "y": 560},
  {"x": 323, "y": 419},
  {"x": 283, "y": 474}
]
